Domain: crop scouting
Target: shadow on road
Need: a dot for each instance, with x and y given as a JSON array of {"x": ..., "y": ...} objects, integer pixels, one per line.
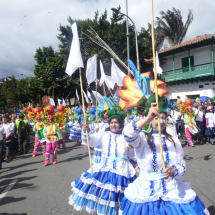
[
  {"x": 9, "y": 200},
  {"x": 77, "y": 157},
  {"x": 5, "y": 183},
  {"x": 19, "y": 166},
  {"x": 15, "y": 174}
]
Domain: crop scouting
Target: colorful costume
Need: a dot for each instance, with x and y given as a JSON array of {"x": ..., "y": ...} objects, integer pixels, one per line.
[
  {"x": 190, "y": 123},
  {"x": 50, "y": 131},
  {"x": 150, "y": 193},
  {"x": 75, "y": 131},
  {"x": 39, "y": 138},
  {"x": 102, "y": 192}
]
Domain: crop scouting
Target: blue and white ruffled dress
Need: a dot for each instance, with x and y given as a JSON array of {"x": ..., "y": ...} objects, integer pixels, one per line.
[
  {"x": 75, "y": 131},
  {"x": 150, "y": 193},
  {"x": 102, "y": 192}
]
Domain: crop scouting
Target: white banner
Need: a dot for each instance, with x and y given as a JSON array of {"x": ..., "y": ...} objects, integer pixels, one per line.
[{"x": 75, "y": 59}]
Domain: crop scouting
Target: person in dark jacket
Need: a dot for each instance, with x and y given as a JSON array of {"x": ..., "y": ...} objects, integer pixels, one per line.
[{"x": 22, "y": 138}]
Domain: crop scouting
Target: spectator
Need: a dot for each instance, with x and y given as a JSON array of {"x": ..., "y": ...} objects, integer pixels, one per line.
[
  {"x": 209, "y": 131},
  {"x": 22, "y": 132},
  {"x": 28, "y": 138},
  {"x": 8, "y": 137},
  {"x": 200, "y": 122},
  {"x": 195, "y": 106},
  {"x": 182, "y": 132},
  {"x": 14, "y": 140},
  {"x": 177, "y": 119},
  {"x": 2, "y": 136},
  {"x": 170, "y": 119}
]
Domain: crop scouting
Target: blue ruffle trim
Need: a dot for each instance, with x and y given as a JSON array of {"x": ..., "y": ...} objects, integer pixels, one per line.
[
  {"x": 90, "y": 205},
  {"x": 107, "y": 178},
  {"x": 161, "y": 207}
]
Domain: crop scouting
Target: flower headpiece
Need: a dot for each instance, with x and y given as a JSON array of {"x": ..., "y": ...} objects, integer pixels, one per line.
[{"x": 116, "y": 113}]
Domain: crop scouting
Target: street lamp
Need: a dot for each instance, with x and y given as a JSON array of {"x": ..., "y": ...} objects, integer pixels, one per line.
[{"x": 135, "y": 30}]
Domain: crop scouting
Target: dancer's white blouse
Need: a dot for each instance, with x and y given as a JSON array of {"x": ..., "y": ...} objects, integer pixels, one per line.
[
  {"x": 144, "y": 189},
  {"x": 113, "y": 145}
]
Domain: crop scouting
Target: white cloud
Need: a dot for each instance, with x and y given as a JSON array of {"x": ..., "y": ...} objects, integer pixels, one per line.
[{"x": 21, "y": 36}]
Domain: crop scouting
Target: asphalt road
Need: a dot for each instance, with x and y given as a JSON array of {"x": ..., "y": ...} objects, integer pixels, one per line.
[{"x": 29, "y": 188}]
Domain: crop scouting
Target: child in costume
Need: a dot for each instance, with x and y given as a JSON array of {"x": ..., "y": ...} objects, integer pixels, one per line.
[
  {"x": 62, "y": 125},
  {"x": 157, "y": 191},
  {"x": 102, "y": 191},
  {"x": 51, "y": 133},
  {"x": 39, "y": 137},
  {"x": 190, "y": 123}
]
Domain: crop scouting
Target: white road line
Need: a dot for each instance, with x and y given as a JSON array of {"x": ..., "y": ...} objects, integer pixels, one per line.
[{"x": 8, "y": 188}]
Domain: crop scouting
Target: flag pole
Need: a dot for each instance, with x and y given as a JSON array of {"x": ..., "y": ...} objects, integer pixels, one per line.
[
  {"x": 85, "y": 120},
  {"x": 96, "y": 107},
  {"x": 104, "y": 88},
  {"x": 156, "y": 88}
]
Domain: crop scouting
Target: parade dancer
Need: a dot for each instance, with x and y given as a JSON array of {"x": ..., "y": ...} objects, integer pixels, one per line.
[
  {"x": 75, "y": 131},
  {"x": 102, "y": 192},
  {"x": 39, "y": 137},
  {"x": 51, "y": 133},
  {"x": 158, "y": 191},
  {"x": 190, "y": 123}
]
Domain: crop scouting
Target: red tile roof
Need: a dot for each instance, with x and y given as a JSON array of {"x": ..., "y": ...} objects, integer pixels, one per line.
[{"x": 189, "y": 42}]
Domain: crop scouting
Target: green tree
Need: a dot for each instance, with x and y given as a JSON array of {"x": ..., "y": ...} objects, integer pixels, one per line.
[{"x": 172, "y": 27}]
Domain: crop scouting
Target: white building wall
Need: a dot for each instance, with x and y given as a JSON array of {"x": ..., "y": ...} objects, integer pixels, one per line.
[
  {"x": 201, "y": 55},
  {"x": 184, "y": 90}
]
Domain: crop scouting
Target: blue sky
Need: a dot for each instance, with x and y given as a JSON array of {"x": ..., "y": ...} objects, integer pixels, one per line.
[{"x": 29, "y": 24}]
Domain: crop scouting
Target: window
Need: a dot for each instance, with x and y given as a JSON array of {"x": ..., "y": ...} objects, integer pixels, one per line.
[
  {"x": 193, "y": 96},
  {"x": 206, "y": 83},
  {"x": 200, "y": 86},
  {"x": 185, "y": 61}
]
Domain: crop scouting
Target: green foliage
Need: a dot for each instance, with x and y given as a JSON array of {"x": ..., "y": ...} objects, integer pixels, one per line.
[{"x": 172, "y": 27}]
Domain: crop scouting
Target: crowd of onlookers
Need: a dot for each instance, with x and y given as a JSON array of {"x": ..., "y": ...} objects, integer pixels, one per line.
[
  {"x": 205, "y": 121},
  {"x": 10, "y": 141}
]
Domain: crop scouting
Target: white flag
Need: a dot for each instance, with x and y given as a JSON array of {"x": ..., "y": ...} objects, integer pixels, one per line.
[
  {"x": 58, "y": 101},
  {"x": 89, "y": 96},
  {"x": 102, "y": 79},
  {"x": 109, "y": 82},
  {"x": 91, "y": 72},
  {"x": 52, "y": 102},
  {"x": 107, "y": 79},
  {"x": 116, "y": 73},
  {"x": 99, "y": 96},
  {"x": 77, "y": 95},
  {"x": 158, "y": 68},
  {"x": 64, "y": 103},
  {"x": 75, "y": 59},
  {"x": 86, "y": 98}
]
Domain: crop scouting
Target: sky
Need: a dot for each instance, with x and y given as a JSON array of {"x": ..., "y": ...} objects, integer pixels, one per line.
[{"x": 26, "y": 25}]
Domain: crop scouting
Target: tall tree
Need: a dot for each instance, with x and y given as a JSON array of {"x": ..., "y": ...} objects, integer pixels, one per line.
[{"x": 171, "y": 25}]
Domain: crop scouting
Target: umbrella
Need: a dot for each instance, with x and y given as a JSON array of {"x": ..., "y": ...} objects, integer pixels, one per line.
[
  {"x": 213, "y": 97},
  {"x": 203, "y": 98}
]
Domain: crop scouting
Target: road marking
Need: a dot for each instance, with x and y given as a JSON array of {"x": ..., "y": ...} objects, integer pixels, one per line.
[{"x": 8, "y": 188}]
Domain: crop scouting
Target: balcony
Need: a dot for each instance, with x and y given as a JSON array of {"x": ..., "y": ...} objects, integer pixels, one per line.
[{"x": 189, "y": 74}]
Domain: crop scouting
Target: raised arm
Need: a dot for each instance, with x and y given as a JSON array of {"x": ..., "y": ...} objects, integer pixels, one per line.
[
  {"x": 131, "y": 131},
  {"x": 94, "y": 139}
]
